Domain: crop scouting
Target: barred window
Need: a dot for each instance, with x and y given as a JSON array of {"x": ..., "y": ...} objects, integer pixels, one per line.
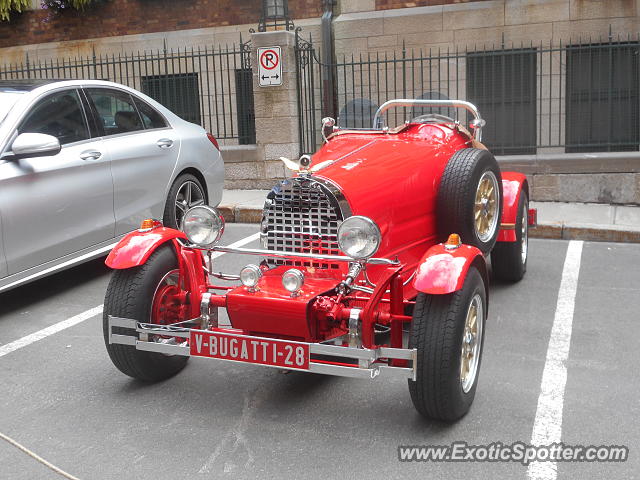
[
  {"x": 178, "y": 92},
  {"x": 503, "y": 87},
  {"x": 602, "y": 98}
]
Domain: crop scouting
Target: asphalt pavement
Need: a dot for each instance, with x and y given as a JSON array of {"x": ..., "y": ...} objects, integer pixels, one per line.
[{"x": 62, "y": 397}]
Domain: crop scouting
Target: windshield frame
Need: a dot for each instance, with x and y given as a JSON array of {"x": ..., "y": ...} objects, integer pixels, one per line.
[{"x": 8, "y": 99}]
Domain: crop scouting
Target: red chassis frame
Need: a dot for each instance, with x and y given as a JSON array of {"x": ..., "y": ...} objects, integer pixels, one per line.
[{"x": 333, "y": 322}]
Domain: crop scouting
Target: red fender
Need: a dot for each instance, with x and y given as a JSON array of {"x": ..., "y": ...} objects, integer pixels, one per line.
[
  {"x": 443, "y": 271},
  {"x": 136, "y": 247},
  {"x": 512, "y": 184}
]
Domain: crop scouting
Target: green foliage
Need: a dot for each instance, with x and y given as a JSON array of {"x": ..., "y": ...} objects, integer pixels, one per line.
[
  {"x": 7, "y": 6},
  {"x": 79, "y": 4}
]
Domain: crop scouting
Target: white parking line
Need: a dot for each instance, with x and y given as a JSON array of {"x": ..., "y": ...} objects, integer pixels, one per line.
[
  {"x": 239, "y": 243},
  {"x": 45, "y": 332},
  {"x": 92, "y": 312},
  {"x": 547, "y": 427}
]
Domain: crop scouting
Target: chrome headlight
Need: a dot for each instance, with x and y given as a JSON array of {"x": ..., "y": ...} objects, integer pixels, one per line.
[
  {"x": 250, "y": 275},
  {"x": 293, "y": 280},
  {"x": 203, "y": 226},
  {"x": 359, "y": 237}
]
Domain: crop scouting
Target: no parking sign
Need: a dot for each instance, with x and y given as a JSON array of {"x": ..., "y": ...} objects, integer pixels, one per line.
[{"x": 270, "y": 66}]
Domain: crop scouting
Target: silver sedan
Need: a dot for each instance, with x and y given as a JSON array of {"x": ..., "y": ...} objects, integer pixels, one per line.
[{"x": 84, "y": 162}]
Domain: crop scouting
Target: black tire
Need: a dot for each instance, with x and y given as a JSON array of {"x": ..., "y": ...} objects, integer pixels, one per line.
[
  {"x": 437, "y": 333},
  {"x": 509, "y": 259},
  {"x": 171, "y": 217},
  {"x": 130, "y": 295},
  {"x": 457, "y": 196}
]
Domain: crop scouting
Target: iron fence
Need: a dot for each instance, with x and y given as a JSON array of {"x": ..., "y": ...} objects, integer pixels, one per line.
[
  {"x": 536, "y": 98},
  {"x": 210, "y": 86}
]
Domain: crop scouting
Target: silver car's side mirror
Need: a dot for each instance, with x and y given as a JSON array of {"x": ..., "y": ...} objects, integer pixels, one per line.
[{"x": 35, "y": 145}]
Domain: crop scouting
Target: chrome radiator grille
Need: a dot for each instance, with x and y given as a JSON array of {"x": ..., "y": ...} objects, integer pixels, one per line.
[{"x": 301, "y": 215}]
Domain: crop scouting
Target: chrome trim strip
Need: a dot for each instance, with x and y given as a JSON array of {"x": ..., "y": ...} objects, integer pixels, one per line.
[
  {"x": 338, "y": 351},
  {"x": 122, "y": 322},
  {"x": 278, "y": 254},
  {"x": 400, "y": 353},
  {"x": 338, "y": 370},
  {"x": 165, "y": 348},
  {"x": 408, "y": 102},
  {"x": 69, "y": 263},
  {"x": 122, "y": 339},
  {"x": 398, "y": 371}
]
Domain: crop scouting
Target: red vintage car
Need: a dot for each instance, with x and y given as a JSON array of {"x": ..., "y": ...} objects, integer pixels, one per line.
[{"x": 374, "y": 262}]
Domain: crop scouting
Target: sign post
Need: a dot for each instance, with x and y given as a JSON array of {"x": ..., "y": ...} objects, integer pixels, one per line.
[{"x": 269, "y": 66}]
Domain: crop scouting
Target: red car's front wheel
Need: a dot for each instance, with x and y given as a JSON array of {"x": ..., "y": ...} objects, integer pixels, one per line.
[
  {"x": 148, "y": 293},
  {"x": 448, "y": 333}
]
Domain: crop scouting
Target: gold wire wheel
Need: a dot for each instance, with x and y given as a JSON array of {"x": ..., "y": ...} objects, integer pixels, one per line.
[
  {"x": 485, "y": 210},
  {"x": 471, "y": 343}
]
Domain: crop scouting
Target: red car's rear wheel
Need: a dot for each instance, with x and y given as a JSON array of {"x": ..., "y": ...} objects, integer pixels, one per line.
[
  {"x": 148, "y": 293},
  {"x": 509, "y": 259}
]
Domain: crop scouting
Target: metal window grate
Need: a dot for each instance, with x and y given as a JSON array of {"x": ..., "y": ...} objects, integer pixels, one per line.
[
  {"x": 603, "y": 98},
  {"x": 503, "y": 86},
  {"x": 244, "y": 106},
  {"x": 178, "y": 92}
]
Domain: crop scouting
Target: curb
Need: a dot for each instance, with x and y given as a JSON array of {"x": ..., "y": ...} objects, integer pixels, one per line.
[
  {"x": 587, "y": 231},
  {"x": 558, "y": 231}
]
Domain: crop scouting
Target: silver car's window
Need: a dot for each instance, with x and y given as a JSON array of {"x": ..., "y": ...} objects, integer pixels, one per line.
[
  {"x": 116, "y": 111},
  {"x": 59, "y": 114},
  {"x": 150, "y": 117},
  {"x": 7, "y": 100}
]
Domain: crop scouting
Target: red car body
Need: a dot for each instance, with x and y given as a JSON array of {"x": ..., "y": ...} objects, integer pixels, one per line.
[{"x": 391, "y": 177}]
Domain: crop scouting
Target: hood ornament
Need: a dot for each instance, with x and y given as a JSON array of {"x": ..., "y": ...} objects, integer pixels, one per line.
[{"x": 303, "y": 164}]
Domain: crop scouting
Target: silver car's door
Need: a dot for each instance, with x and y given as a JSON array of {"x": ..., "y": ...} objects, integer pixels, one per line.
[
  {"x": 56, "y": 205},
  {"x": 143, "y": 149}
]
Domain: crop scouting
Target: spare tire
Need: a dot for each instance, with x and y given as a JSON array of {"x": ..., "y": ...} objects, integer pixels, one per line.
[{"x": 469, "y": 200}]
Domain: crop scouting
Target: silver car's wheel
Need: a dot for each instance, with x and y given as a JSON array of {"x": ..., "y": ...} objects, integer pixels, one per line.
[
  {"x": 186, "y": 192},
  {"x": 189, "y": 195}
]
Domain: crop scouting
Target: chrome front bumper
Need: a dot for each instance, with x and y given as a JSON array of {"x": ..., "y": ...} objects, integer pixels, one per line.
[{"x": 369, "y": 360}]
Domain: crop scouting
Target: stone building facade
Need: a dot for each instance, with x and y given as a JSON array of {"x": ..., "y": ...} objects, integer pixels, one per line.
[{"x": 368, "y": 28}]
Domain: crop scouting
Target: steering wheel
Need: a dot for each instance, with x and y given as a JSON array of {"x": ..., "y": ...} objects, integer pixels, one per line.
[{"x": 432, "y": 118}]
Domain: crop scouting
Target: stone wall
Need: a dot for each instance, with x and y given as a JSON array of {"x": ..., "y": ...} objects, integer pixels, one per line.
[
  {"x": 134, "y": 17},
  {"x": 368, "y": 26}
]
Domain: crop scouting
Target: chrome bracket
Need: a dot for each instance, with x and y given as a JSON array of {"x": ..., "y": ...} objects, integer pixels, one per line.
[
  {"x": 207, "y": 317},
  {"x": 354, "y": 328}
]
